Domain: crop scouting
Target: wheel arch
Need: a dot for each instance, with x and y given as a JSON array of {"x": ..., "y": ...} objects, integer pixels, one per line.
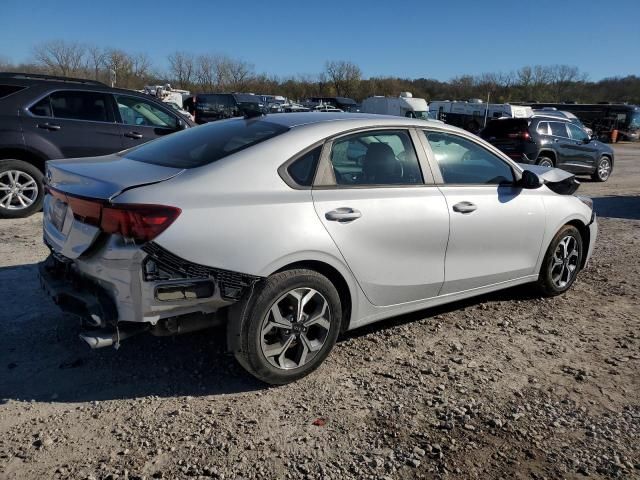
[
  {"x": 548, "y": 153},
  {"x": 585, "y": 233},
  {"x": 335, "y": 277},
  {"x": 34, "y": 159}
]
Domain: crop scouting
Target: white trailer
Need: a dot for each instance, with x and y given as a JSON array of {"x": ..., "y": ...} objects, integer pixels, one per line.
[
  {"x": 472, "y": 114},
  {"x": 403, "y": 106}
]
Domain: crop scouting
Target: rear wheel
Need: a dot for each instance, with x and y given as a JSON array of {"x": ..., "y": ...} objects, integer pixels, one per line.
[
  {"x": 545, "y": 161},
  {"x": 20, "y": 189},
  {"x": 603, "y": 170},
  {"x": 561, "y": 262},
  {"x": 287, "y": 326}
]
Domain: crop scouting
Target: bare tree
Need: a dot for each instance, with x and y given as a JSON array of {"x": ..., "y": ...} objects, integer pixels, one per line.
[
  {"x": 182, "y": 68},
  {"x": 140, "y": 66},
  {"x": 60, "y": 57},
  {"x": 119, "y": 62},
  {"x": 96, "y": 60},
  {"x": 344, "y": 76},
  {"x": 239, "y": 73}
]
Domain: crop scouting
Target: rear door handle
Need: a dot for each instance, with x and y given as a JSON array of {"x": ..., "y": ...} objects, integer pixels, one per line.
[
  {"x": 48, "y": 126},
  {"x": 133, "y": 135},
  {"x": 464, "y": 207},
  {"x": 343, "y": 214}
]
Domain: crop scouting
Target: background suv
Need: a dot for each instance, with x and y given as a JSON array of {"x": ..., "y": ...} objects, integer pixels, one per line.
[
  {"x": 44, "y": 117},
  {"x": 551, "y": 141}
]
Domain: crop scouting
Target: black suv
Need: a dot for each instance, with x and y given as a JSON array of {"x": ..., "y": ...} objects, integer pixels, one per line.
[
  {"x": 209, "y": 107},
  {"x": 44, "y": 117},
  {"x": 552, "y": 142}
]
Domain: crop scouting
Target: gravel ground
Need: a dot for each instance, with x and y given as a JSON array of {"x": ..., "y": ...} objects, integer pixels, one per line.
[{"x": 501, "y": 386}]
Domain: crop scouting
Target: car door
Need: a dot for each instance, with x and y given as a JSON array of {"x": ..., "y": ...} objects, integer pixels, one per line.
[
  {"x": 496, "y": 228},
  {"x": 584, "y": 153},
  {"x": 143, "y": 120},
  {"x": 562, "y": 145},
  {"x": 384, "y": 214},
  {"x": 78, "y": 123}
]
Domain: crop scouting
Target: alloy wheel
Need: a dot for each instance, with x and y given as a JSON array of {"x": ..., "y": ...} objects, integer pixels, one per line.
[
  {"x": 546, "y": 163},
  {"x": 604, "y": 168},
  {"x": 295, "y": 328},
  {"x": 18, "y": 190},
  {"x": 565, "y": 261}
]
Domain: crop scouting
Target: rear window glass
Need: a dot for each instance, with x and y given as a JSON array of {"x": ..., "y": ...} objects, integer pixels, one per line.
[
  {"x": 504, "y": 128},
  {"x": 205, "y": 144},
  {"x": 6, "y": 90}
]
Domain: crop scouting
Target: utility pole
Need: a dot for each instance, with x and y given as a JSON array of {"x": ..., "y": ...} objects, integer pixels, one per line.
[{"x": 112, "y": 73}]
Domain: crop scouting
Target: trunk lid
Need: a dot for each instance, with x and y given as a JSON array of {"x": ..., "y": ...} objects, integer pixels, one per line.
[
  {"x": 104, "y": 177},
  {"x": 77, "y": 190}
]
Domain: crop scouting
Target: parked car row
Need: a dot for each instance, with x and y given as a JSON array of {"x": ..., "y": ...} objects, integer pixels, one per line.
[{"x": 45, "y": 117}]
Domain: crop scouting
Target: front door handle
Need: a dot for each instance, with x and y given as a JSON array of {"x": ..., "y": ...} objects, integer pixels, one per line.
[
  {"x": 343, "y": 214},
  {"x": 48, "y": 126},
  {"x": 464, "y": 207},
  {"x": 135, "y": 135}
]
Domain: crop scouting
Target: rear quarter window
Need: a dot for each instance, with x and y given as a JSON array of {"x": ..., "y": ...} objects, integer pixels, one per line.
[
  {"x": 205, "y": 144},
  {"x": 6, "y": 90}
]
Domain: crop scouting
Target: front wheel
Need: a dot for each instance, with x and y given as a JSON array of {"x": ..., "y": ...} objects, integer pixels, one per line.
[
  {"x": 603, "y": 170},
  {"x": 561, "y": 262},
  {"x": 20, "y": 189},
  {"x": 287, "y": 326}
]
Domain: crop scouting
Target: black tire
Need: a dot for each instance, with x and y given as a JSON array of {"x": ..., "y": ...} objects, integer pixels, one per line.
[
  {"x": 603, "y": 169},
  {"x": 546, "y": 161},
  {"x": 246, "y": 319},
  {"x": 8, "y": 168},
  {"x": 547, "y": 280}
]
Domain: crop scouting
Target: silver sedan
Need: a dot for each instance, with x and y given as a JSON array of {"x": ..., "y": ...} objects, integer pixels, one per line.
[{"x": 293, "y": 228}]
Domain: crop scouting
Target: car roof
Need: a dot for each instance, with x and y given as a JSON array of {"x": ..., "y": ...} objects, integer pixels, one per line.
[{"x": 293, "y": 120}]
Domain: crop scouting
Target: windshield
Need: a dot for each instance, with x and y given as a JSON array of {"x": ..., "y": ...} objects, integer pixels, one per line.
[
  {"x": 202, "y": 145},
  {"x": 635, "y": 120}
]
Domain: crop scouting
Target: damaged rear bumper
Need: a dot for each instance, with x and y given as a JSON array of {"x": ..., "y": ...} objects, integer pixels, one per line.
[{"x": 138, "y": 288}]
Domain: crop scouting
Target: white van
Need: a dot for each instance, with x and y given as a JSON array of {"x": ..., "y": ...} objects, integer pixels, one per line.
[{"x": 403, "y": 106}]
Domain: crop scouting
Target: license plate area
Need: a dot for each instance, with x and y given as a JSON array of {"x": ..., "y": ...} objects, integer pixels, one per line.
[{"x": 57, "y": 213}]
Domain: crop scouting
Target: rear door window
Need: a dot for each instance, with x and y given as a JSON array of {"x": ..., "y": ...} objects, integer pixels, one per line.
[
  {"x": 205, "y": 144},
  {"x": 76, "y": 105},
  {"x": 558, "y": 129}
]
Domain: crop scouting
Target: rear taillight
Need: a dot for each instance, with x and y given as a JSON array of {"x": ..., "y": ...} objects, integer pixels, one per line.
[
  {"x": 524, "y": 135},
  {"x": 139, "y": 222}
]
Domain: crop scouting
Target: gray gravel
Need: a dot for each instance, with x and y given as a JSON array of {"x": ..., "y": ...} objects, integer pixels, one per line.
[{"x": 502, "y": 386}]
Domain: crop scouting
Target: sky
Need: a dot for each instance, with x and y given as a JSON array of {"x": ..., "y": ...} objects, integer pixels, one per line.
[{"x": 434, "y": 39}]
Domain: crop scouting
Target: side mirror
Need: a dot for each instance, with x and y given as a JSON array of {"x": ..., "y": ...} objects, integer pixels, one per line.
[
  {"x": 181, "y": 124},
  {"x": 587, "y": 139},
  {"x": 529, "y": 180}
]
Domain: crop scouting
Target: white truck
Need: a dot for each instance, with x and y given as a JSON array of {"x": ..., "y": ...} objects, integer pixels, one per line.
[
  {"x": 403, "y": 106},
  {"x": 473, "y": 114}
]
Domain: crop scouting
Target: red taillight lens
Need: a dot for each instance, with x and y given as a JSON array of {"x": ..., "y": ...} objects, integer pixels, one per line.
[
  {"x": 140, "y": 222},
  {"x": 524, "y": 135}
]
